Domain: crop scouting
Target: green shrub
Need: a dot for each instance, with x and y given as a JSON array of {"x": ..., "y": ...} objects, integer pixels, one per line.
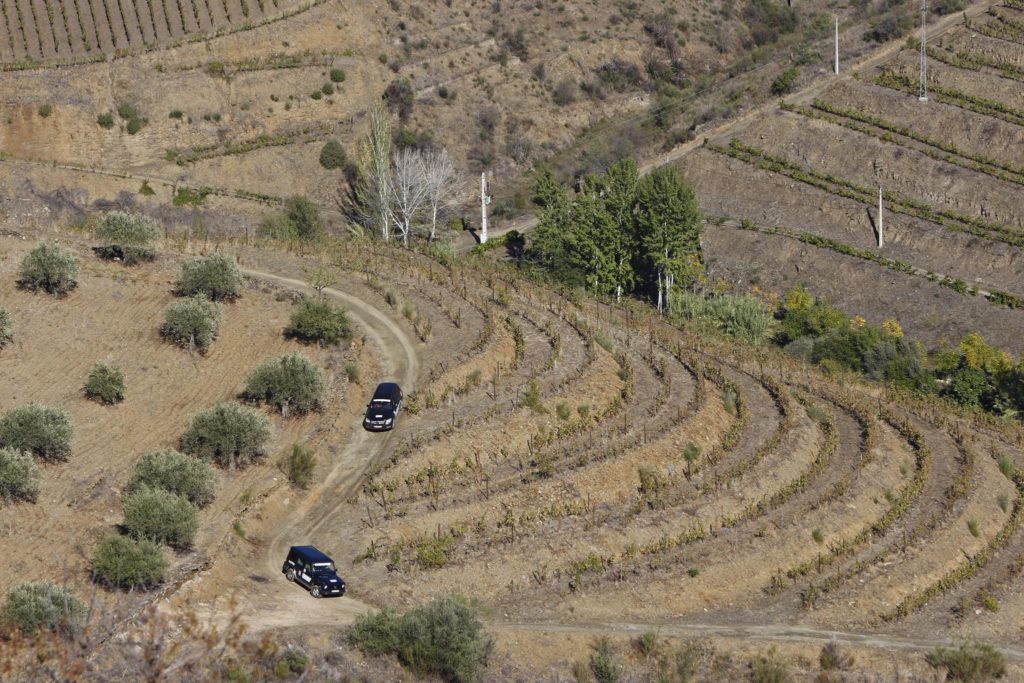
[
  {"x": 45, "y": 110},
  {"x": 319, "y": 321},
  {"x": 605, "y": 665},
  {"x": 128, "y": 563},
  {"x": 6, "y": 328},
  {"x": 784, "y": 82},
  {"x": 188, "y": 196},
  {"x": 50, "y": 268},
  {"x": 228, "y": 434},
  {"x": 327, "y": 88},
  {"x": 888, "y": 29},
  {"x": 40, "y": 605},
  {"x": 161, "y": 516},
  {"x": 19, "y": 476},
  {"x": 295, "y": 661},
  {"x": 33, "y": 428},
  {"x": 337, "y": 76},
  {"x": 177, "y": 473},
  {"x": 972, "y": 662},
  {"x": 135, "y": 124},
  {"x": 352, "y": 373},
  {"x": 292, "y": 383},
  {"x": 217, "y": 277},
  {"x": 300, "y": 219},
  {"x": 127, "y": 236},
  {"x": 127, "y": 110},
  {"x": 443, "y": 638},
  {"x": 332, "y": 155},
  {"x": 105, "y": 120},
  {"x": 192, "y": 323},
  {"x": 967, "y": 386},
  {"x": 531, "y": 398},
  {"x": 300, "y": 464},
  {"x": 105, "y": 384},
  {"x": 832, "y": 657}
]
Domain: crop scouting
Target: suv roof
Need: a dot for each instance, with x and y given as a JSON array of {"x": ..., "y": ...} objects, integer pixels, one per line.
[
  {"x": 385, "y": 391},
  {"x": 310, "y": 554}
]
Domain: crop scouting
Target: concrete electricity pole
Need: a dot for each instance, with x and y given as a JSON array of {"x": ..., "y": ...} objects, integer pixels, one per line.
[
  {"x": 923, "y": 94},
  {"x": 880, "y": 217},
  {"x": 485, "y": 199}
]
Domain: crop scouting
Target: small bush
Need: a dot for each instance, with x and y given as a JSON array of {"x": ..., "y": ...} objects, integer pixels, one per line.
[
  {"x": 216, "y": 277},
  {"x": 605, "y": 665},
  {"x": 300, "y": 464},
  {"x": 295, "y": 661},
  {"x": 105, "y": 384},
  {"x": 531, "y": 398},
  {"x": 145, "y": 190},
  {"x": 785, "y": 81},
  {"x": 43, "y": 605},
  {"x": 161, "y": 516},
  {"x": 332, "y": 155},
  {"x": 1006, "y": 466},
  {"x": 818, "y": 537},
  {"x": 33, "y": 428},
  {"x": 972, "y": 526},
  {"x": 45, "y": 110},
  {"x": 443, "y": 638},
  {"x": 320, "y": 322},
  {"x": 744, "y": 317},
  {"x": 192, "y": 323},
  {"x": 562, "y": 410},
  {"x": 832, "y": 658},
  {"x": 6, "y": 328},
  {"x": 291, "y": 383},
  {"x": 337, "y": 76},
  {"x": 189, "y": 196},
  {"x": 888, "y": 29},
  {"x": 106, "y": 120},
  {"x": 128, "y": 563},
  {"x": 228, "y": 434},
  {"x": 564, "y": 93},
  {"x": 972, "y": 662},
  {"x": 300, "y": 219},
  {"x": 127, "y": 236},
  {"x": 50, "y": 268},
  {"x": 177, "y": 473},
  {"x": 352, "y": 373},
  {"x": 19, "y": 476},
  {"x": 769, "y": 669}
]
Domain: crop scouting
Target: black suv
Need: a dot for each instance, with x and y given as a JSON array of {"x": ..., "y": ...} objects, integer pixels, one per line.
[
  {"x": 308, "y": 566},
  {"x": 383, "y": 407}
]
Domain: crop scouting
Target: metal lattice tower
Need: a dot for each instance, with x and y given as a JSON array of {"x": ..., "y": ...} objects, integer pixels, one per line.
[{"x": 923, "y": 92}]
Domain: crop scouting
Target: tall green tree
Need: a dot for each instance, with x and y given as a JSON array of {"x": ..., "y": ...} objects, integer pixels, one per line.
[
  {"x": 618, "y": 191},
  {"x": 668, "y": 221}
]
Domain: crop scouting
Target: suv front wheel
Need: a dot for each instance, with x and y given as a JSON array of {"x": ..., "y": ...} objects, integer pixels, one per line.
[{"x": 315, "y": 591}]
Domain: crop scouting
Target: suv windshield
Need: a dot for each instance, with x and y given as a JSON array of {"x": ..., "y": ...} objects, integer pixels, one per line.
[
  {"x": 323, "y": 568},
  {"x": 381, "y": 402}
]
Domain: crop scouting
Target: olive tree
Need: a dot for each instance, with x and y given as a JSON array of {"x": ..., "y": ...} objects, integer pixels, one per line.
[
  {"x": 44, "y": 432},
  {"x": 161, "y": 516},
  {"x": 217, "y": 277},
  {"x": 228, "y": 434},
  {"x": 49, "y": 267},
  {"x": 127, "y": 236},
  {"x": 43, "y": 605},
  {"x": 128, "y": 563},
  {"x": 176, "y": 472},
  {"x": 19, "y": 476},
  {"x": 192, "y": 323},
  {"x": 316, "y": 321},
  {"x": 290, "y": 383}
]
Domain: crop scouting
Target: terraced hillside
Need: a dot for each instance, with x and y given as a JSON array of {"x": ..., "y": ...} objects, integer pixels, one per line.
[
  {"x": 949, "y": 170},
  {"x": 568, "y": 462}
]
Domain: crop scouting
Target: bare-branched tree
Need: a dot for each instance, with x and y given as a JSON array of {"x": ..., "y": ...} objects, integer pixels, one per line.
[
  {"x": 408, "y": 191},
  {"x": 439, "y": 176}
]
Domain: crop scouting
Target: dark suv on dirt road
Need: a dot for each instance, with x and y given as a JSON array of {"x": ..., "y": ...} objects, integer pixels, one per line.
[
  {"x": 309, "y": 567},
  {"x": 383, "y": 408}
]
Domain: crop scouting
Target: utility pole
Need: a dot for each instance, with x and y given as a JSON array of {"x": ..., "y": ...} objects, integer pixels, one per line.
[
  {"x": 837, "y": 45},
  {"x": 485, "y": 199},
  {"x": 923, "y": 94},
  {"x": 880, "y": 217}
]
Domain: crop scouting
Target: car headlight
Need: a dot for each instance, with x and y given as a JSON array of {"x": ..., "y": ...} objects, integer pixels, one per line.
[{"x": 389, "y": 420}]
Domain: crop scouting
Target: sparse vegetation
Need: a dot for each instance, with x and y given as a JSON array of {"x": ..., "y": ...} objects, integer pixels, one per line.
[
  {"x": 6, "y": 328},
  {"x": 300, "y": 465},
  {"x": 604, "y": 663},
  {"x": 127, "y": 236},
  {"x": 41, "y": 431},
  {"x": 291, "y": 383},
  {"x": 105, "y": 384},
  {"x": 971, "y": 662},
  {"x": 50, "y": 268},
  {"x": 228, "y": 434}
]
